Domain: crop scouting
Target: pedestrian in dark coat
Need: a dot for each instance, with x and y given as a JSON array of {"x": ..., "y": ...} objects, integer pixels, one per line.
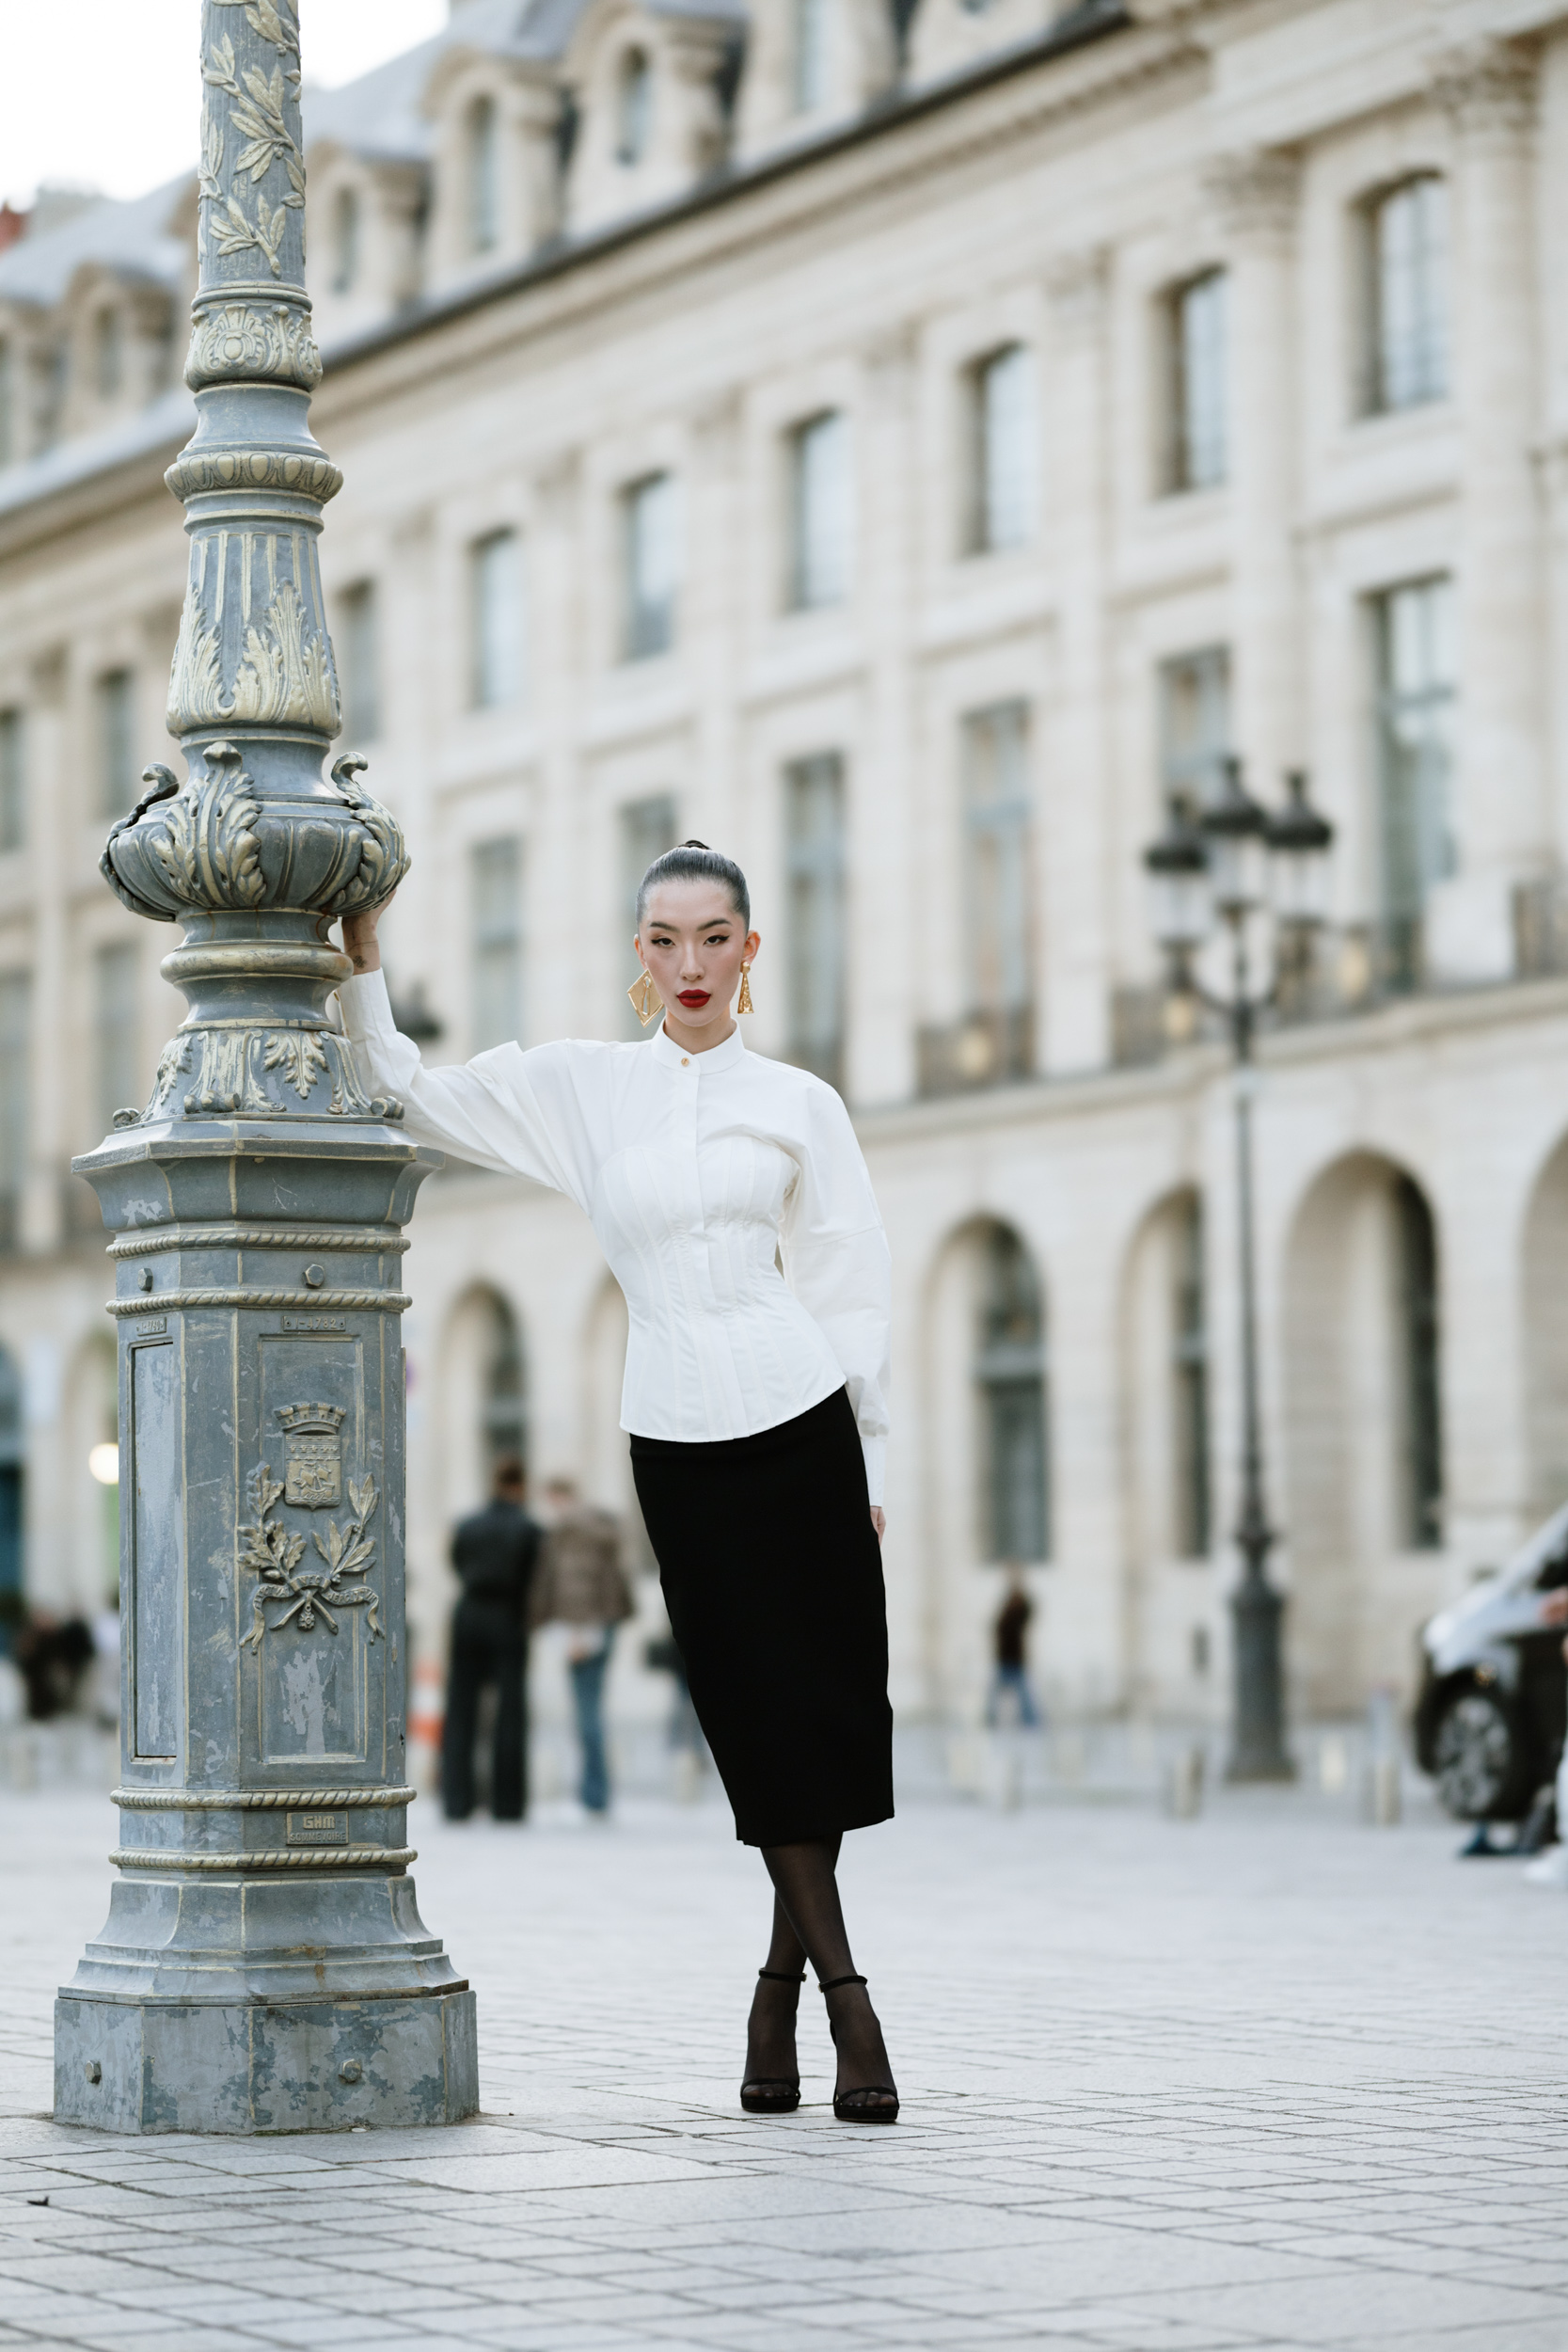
[{"x": 495, "y": 1554}]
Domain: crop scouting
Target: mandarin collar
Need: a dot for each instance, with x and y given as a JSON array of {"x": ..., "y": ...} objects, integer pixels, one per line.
[{"x": 669, "y": 1057}]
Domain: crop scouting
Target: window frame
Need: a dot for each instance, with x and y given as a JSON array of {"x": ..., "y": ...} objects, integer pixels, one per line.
[
  {"x": 115, "y": 725},
  {"x": 489, "y": 687},
  {"x": 1006, "y": 822},
  {"x": 1010, "y": 1377},
  {"x": 981, "y": 535},
  {"x": 815, "y": 867},
  {"x": 1433, "y": 369},
  {"x": 1428, "y": 848},
  {"x": 819, "y": 576},
  {"x": 13, "y": 779},
  {"x": 496, "y": 936},
  {"x": 649, "y": 621},
  {"x": 1182, "y": 472}
]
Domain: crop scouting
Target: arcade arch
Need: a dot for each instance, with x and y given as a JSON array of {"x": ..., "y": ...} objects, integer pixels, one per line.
[
  {"x": 1363, "y": 1429},
  {"x": 1544, "y": 1322}
]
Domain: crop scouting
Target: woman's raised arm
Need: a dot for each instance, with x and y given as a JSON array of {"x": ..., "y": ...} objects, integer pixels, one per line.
[{"x": 504, "y": 1110}]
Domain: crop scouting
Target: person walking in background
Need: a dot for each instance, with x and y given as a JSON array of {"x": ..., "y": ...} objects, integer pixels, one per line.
[
  {"x": 1011, "y": 1674},
  {"x": 583, "y": 1586},
  {"x": 495, "y": 1553}
]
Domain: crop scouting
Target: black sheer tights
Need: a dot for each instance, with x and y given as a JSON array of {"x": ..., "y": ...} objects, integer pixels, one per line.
[{"x": 808, "y": 1924}]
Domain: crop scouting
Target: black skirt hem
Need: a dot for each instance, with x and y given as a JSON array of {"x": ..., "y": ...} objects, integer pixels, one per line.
[{"x": 750, "y": 1835}]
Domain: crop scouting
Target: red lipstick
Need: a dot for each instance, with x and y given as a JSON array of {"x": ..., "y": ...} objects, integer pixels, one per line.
[{"x": 693, "y": 996}]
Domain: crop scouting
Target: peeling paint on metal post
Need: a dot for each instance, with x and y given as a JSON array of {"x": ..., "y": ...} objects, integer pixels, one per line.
[{"x": 264, "y": 1966}]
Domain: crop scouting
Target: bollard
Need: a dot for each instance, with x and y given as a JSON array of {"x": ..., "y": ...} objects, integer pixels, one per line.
[
  {"x": 1382, "y": 1791},
  {"x": 1184, "y": 1784}
]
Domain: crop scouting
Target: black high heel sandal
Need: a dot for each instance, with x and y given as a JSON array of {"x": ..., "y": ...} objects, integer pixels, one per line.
[
  {"x": 842, "y": 2109},
  {"x": 773, "y": 2095}
]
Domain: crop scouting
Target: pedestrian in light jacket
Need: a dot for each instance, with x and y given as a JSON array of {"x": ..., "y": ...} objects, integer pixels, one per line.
[{"x": 582, "y": 1586}]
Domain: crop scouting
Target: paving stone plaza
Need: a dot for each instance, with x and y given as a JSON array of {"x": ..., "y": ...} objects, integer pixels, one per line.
[{"x": 1270, "y": 2078}]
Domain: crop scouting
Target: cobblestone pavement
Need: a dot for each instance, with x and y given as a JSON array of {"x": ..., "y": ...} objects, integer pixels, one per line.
[{"x": 1271, "y": 2078}]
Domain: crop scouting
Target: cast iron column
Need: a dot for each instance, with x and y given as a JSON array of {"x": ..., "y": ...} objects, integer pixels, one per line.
[
  {"x": 264, "y": 1966},
  {"x": 1256, "y": 1609}
]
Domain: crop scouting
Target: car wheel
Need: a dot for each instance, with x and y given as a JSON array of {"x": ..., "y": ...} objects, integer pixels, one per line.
[{"x": 1480, "y": 1768}]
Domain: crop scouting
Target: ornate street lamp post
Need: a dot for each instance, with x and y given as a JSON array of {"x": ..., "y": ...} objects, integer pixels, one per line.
[
  {"x": 1218, "y": 863},
  {"x": 264, "y": 1966}
]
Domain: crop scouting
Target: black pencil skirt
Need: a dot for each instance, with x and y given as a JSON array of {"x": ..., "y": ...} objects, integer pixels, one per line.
[{"x": 773, "y": 1576}]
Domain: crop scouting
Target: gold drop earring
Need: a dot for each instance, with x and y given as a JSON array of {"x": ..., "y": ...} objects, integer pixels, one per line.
[
  {"x": 743, "y": 1002},
  {"x": 646, "y": 1002}
]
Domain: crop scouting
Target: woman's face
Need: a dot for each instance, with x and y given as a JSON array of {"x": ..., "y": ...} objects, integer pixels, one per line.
[{"x": 693, "y": 942}]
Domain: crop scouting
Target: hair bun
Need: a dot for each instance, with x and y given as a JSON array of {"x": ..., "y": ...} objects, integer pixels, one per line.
[{"x": 693, "y": 845}]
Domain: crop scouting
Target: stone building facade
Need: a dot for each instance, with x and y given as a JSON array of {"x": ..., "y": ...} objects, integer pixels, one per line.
[{"x": 903, "y": 446}]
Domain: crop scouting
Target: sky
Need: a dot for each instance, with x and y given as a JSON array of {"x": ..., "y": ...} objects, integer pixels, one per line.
[{"x": 105, "y": 93}]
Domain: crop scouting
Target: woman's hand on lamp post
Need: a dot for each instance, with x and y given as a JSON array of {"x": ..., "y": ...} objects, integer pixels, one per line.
[{"x": 360, "y": 943}]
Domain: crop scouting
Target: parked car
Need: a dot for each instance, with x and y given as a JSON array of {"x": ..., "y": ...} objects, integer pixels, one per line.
[{"x": 1492, "y": 1706}]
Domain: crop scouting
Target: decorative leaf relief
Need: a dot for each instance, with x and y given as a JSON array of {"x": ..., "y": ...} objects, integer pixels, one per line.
[
  {"x": 300, "y": 1054},
  {"x": 235, "y": 233},
  {"x": 286, "y": 674},
  {"x": 273, "y": 20},
  {"x": 239, "y": 340},
  {"x": 382, "y": 858},
  {"x": 175, "y": 1058},
  {"x": 272, "y": 1554}
]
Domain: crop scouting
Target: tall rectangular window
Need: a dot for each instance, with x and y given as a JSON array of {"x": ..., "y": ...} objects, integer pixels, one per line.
[
  {"x": 1195, "y": 722},
  {"x": 1418, "y": 682},
  {"x": 9, "y": 439},
  {"x": 1004, "y": 447},
  {"x": 484, "y": 176},
  {"x": 1190, "y": 1382},
  {"x": 808, "y": 56},
  {"x": 651, "y": 533},
  {"x": 15, "y": 1123},
  {"x": 358, "y": 663},
  {"x": 13, "y": 806},
  {"x": 996, "y": 858},
  {"x": 821, "y": 512},
  {"x": 117, "y": 1036},
  {"x": 117, "y": 758},
  {"x": 496, "y": 933},
  {"x": 1407, "y": 272},
  {"x": 813, "y": 864},
  {"x": 345, "y": 240},
  {"x": 1198, "y": 343},
  {"x": 496, "y": 591},
  {"x": 647, "y": 829}
]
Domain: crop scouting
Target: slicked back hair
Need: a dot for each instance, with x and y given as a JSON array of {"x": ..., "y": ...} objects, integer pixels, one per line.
[{"x": 693, "y": 861}]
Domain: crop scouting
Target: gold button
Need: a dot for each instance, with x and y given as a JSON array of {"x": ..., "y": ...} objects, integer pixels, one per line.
[{"x": 686, "y": 1061}]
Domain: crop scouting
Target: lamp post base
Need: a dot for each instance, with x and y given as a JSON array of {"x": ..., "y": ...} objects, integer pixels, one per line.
[
  {"x": 1258, "y": 1753},
  {"x": 255, "y": 2067}
]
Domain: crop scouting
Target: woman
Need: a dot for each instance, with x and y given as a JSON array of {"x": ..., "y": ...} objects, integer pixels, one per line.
[{"x": 755, "y": 1400}]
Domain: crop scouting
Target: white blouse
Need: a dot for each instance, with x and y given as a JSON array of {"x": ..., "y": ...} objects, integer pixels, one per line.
[{"x": 699, "y": 1173}]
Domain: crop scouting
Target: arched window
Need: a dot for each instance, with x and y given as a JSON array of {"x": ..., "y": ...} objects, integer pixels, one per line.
[
  {"x": 484, "y": 174},
  {"x": 505, "y": 1402},
  {"x": 633, "y": 106},
  {"x": 109, "y": 352},
  {"x": 10, "y": 1488},
  {"x": 345, "y": 240},
  {"x": 1190, "y": 1384},
  {"x": 1010, "y": 1380},
  {"x": 1422, "y": 1446}
]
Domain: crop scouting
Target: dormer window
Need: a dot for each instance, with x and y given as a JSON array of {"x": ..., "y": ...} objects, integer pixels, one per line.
[
  {"x": 808, "y": 63},
  {"x": 109, "y": 352},
  {"x": 484, "y": 161},
  {"x": 345, "y": 240},
  {"x": 633, "y": 106}
]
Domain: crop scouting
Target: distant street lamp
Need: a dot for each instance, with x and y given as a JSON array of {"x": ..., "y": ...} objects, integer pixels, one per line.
[{"x": 1233, "y": 859}]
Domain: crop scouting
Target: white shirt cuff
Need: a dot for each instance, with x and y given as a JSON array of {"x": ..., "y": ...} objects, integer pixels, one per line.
[
  {"x": 367, "y": 1008},
  {"x": 874, "y": 1449}
]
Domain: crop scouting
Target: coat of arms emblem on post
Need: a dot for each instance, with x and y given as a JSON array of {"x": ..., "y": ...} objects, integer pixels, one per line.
[{"x": 312, "y": 1455}]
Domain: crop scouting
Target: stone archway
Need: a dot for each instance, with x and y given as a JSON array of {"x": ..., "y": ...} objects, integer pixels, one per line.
[
  {"x": 1167, "y": 1459},
  {"x": 482, "y": 1397},
  {"x": 1545, "y": 1326},
  {"x": 1363, "y": 1487}
]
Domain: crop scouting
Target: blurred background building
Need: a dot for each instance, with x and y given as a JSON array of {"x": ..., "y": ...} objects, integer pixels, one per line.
[{"x": 903, "y": 446}]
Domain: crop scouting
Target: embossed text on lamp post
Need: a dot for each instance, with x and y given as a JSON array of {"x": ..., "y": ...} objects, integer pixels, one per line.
[{"x": 264, "y": 1966}]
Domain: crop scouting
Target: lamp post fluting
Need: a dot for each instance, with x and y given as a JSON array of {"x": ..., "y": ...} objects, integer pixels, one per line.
[
  {"x": 264, "y": 1966},
  {"x": 1217, "y": 863}
]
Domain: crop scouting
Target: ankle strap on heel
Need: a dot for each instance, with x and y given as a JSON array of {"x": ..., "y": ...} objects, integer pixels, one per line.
[
  {"x": 782, "y": 1976},
  {"x": 833, "y": 1983}
]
